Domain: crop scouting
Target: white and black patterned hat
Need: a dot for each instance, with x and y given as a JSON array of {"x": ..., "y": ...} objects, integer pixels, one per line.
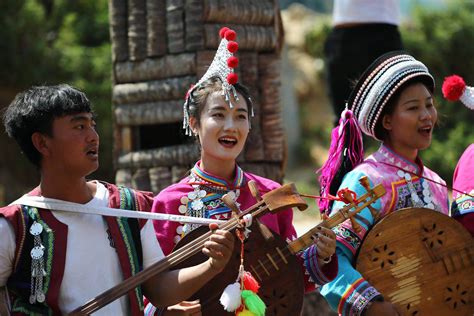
[{"x": 380, "y": 82}]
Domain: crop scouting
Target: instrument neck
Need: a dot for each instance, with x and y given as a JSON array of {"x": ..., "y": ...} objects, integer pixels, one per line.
[{"x": 306, "y": 239}]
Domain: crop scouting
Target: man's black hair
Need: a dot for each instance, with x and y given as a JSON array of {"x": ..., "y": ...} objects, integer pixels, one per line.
[{"x": 35, "y": 109}]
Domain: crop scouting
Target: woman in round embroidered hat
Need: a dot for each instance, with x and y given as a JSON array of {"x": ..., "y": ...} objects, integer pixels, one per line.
[
  {"x": 393, "y": 103},
  {"x": 217, "y": 111}
]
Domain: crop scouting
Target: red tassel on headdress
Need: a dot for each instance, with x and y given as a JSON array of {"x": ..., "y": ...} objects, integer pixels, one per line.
[
  {"x": 346, "y": 146},
  {"x": 232, "y": 78},
  {"x": 230, "y": 35},
  {"x": 222, "y": 31},
  {"x": 453, "y": 87},
  {"x": 232, "y": 62},
  {"x": 232, "y": 46}
]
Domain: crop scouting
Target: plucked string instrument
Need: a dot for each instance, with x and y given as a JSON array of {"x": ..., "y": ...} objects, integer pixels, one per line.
[
  {"x": 272, "y": 260},
  {"x": 273, "y": 201},
  {"x": 422, "y": 261}
]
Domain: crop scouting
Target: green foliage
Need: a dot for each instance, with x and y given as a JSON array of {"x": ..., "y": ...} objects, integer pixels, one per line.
[
  {"x": 61, "y": 41},
  {"x": 444, "y": 41},
  {"x": 315, "y": 39}
]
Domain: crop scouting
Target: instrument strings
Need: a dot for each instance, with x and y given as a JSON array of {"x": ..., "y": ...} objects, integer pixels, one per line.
[{"x": 172, "y": 259}]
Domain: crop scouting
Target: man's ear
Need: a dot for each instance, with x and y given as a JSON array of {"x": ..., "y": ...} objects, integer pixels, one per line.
[
  {"x": 40, "y": 141},
  {"x": 387, "y": 122}
]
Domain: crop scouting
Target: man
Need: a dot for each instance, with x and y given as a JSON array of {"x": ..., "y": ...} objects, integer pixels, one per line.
[{"x": 51, "y": 261}]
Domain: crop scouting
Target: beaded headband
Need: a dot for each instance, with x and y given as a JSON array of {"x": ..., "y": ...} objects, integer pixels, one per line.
[
  {"x": 222, "y": 67},
  {"x": 380, "y": 82}
]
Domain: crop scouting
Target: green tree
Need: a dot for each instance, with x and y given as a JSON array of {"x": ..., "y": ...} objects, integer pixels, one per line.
[
  {"x": 51, "y": 42},
  {"x": 444, "y": 41}
]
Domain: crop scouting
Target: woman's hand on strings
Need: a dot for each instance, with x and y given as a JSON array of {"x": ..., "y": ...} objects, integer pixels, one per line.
[
  {"x": 219, "y": 247},
  {"x": 325, "y": 241},
  {"x": 185, "y": 308}
]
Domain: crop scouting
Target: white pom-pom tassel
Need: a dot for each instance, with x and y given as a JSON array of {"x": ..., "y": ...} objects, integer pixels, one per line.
[
  {"x": 468, "y": 97},
  {"x": 231, "y": 297}
]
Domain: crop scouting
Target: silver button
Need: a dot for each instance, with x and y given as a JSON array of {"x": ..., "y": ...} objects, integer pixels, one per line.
[
  {"x": 37, "y": 252},
  {"x": 36, "y": 229},
  {"x": 182, "y": 209}
]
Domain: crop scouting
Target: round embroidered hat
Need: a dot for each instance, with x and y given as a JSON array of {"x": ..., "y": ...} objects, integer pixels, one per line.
[{"x": 380, "y": 82}]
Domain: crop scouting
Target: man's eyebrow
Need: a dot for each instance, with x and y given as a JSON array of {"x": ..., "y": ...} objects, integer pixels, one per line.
[{"x": 81, "y": 117}]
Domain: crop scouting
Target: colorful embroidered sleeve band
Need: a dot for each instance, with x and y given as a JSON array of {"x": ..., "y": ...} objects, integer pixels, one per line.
[{"x": 317, "y": 274}]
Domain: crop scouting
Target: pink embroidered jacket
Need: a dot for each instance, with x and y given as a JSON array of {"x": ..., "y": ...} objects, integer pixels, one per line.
[{"x": 186, "y": 198}]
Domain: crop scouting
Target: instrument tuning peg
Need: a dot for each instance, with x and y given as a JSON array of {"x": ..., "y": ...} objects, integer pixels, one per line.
[
  {"x": 364, "y": 181},
  {"x": 355, "y": 225},
  {"x": 254, "y": 190},
  {"x": 373, "y": 211},
  {"x": 324, "y": 216},
  {"x": 229, "y": 200}
]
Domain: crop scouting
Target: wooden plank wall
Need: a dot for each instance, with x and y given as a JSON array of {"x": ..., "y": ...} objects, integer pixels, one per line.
[{"x": 161, "y": 47}]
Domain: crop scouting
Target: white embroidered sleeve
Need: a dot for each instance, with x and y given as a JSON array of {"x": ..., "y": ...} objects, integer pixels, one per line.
[{"x": 7, "y": 250}]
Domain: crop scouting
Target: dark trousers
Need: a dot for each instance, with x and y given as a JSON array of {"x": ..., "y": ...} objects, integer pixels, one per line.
[{"x": 349, "y": 51}]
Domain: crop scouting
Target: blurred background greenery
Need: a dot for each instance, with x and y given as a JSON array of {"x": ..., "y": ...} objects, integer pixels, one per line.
[
  {"x": 51, "y": 42},
  {"x": 442, "y": 37},
  {"x": 55, "y": 41}
]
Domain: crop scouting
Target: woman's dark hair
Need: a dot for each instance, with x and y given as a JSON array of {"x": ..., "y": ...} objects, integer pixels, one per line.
[{"x": 35, "y": 109}]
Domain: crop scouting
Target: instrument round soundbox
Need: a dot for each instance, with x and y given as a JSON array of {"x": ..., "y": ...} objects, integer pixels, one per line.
[
  {"x": 422, "y": 261},
  {"x": 269, "y": 260}
]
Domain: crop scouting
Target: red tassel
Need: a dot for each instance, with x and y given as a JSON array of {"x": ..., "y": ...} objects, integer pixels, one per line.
[
  {"x": 230, "y": 35},
  {"x": 453, "y": 87},
  {"x": 232, "y": 46},
  {"x": 250, "y": 283},
  {"x": 232, "y": 62},
  {"x": 232, "y": 78},
  {"x": 222, "y": 31}
]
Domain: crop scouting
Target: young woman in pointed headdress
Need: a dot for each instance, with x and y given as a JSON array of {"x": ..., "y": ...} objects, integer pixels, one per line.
[
  {"x": 217, "y": 111},
  {"x": 393, "y": 103}
]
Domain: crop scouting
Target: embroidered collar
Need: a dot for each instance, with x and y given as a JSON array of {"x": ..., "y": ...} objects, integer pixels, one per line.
[
  {"x": 387, "y": 155},
  {"x": 200, "y": 175}
]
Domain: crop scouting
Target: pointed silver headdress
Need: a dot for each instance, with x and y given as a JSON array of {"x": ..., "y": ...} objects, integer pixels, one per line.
[{"x": 222, "y": 66}]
